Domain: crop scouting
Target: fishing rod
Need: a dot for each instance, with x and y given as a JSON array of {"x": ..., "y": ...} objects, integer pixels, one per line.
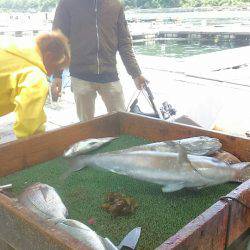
[
  {"x": 151, "y": 99},
  {"x": 164, "y": 112}
]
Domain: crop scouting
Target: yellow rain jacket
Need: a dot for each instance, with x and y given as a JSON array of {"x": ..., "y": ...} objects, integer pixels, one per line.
[{"x": 23, "y": 85}]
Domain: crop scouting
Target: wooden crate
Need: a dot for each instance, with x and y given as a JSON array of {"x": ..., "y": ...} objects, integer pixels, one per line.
[{"x": 216, "y": 228}]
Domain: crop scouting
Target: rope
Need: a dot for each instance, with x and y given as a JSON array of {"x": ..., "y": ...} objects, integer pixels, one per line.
[
  {"x": 133, "y": 98},
  {"x": 146, "y": 97}
]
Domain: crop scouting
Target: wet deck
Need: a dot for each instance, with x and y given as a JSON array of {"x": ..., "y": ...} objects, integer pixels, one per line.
[{"x": 204, "y": 87}]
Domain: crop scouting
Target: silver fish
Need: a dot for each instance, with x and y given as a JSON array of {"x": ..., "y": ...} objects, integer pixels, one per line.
[
  {"x": 92, "y": 240},
  {"x": 173, "y": 171},
  {"x": 42, "y": 199},
  {"x": 201, "y": 145},
  {"x": 85, "y": 146},
  {"x": 85, "y": 234}
]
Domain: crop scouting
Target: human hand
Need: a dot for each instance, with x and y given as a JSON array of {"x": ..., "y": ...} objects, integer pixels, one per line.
[
  {"x": 140, "y": 81},
  {"x": 56, "y": 89}
]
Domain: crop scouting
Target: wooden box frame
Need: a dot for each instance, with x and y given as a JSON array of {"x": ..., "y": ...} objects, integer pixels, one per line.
[{"x": 216, "y": 228}]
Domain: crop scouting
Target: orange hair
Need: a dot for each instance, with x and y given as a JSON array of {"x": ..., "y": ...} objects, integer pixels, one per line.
[{"x": 56, "y": 43}]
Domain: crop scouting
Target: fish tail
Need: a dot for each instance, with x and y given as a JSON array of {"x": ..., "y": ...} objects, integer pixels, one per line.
[
  {"x": 79, "y": 162},
  {"x": 66, "y": 174},
  {"x": 75, "y": 164},
  {"x": 243, "y": 171}
]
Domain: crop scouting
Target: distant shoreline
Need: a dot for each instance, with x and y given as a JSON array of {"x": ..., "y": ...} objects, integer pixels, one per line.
[
  {"x": 155, "y": 10},
  {"x": 191, "y": 9}
]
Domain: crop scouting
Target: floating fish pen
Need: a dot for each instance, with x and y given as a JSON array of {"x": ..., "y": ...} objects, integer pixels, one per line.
[
  {"x": 184, "y": 219},
  {"x": 149, "y": 33}
]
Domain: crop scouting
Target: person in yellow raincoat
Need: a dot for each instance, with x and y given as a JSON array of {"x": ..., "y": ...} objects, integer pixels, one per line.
[{"x": 24, "y": 67}]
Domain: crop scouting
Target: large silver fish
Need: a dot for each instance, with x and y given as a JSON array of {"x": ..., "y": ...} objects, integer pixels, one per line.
[
  {"x": 173, "y": 171},
  {"x": 43, "y": 200},
  {"x": 201, "y": 145},
  {"x": 85, "y": 146}
]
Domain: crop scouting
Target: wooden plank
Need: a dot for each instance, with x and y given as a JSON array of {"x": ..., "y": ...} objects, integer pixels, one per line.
[
  {"x": 218, "y": 226},
  {"x": 242, "y": 243},
  {"x": 207, "y": 231},
  {"x": 24, "y": 230},
  {"x": 239, "y": 221},
  {"x": 23, "y": 153},
  {"x": 159, "y": 130}
]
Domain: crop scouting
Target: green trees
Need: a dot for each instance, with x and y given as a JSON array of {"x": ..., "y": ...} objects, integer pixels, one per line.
[
  {"x": 200, "y": 3},
  {"x": 151, "y": 3},
  {"x": 27, "y": 5},
  {"x": 180, "y": 3}
]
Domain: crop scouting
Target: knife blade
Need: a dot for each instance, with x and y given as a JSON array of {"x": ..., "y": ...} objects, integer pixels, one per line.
[
  {"x": 131, "y": 239},
  {"x": 5, "y": 187}
]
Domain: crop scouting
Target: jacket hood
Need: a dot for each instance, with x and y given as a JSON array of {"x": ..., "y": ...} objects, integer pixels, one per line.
[{"x": 24, "y": 48}]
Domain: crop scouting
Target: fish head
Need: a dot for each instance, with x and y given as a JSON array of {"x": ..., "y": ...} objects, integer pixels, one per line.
[
  {"x": 53, "y": 201},
  {"x": 44, "y": 200},
  {"x": 85, "y": 146}
]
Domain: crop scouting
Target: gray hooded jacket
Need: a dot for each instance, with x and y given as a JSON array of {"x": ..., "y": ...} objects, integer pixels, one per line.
[{"x": 96, "y": 29}]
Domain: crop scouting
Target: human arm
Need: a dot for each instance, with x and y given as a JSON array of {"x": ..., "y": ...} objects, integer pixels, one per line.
[
  {"x": 29, "y": 102},
  {"x": 140, "y": 82},
  {"x": 126, "y": 52},
  {"x": 62, "y": 18},
  {"x": 56, "y": 88},
  {"x": 62, "y": 22}
]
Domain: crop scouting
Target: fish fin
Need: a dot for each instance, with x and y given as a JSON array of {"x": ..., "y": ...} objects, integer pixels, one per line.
[
  {"x": 243, "y": 171},
  {"x": 184, "y": 161},
  {"x": 182, "y": 157},
  {"x": 173, "y": 186},
  {"x": 78, "y": 162}
]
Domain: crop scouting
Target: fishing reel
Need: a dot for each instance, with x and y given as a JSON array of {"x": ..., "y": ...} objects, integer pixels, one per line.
[{"x": 165, "y": 112}]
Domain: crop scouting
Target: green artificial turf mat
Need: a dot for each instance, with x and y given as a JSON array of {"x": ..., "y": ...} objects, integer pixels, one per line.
[{"x": 160, "y": 215}]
